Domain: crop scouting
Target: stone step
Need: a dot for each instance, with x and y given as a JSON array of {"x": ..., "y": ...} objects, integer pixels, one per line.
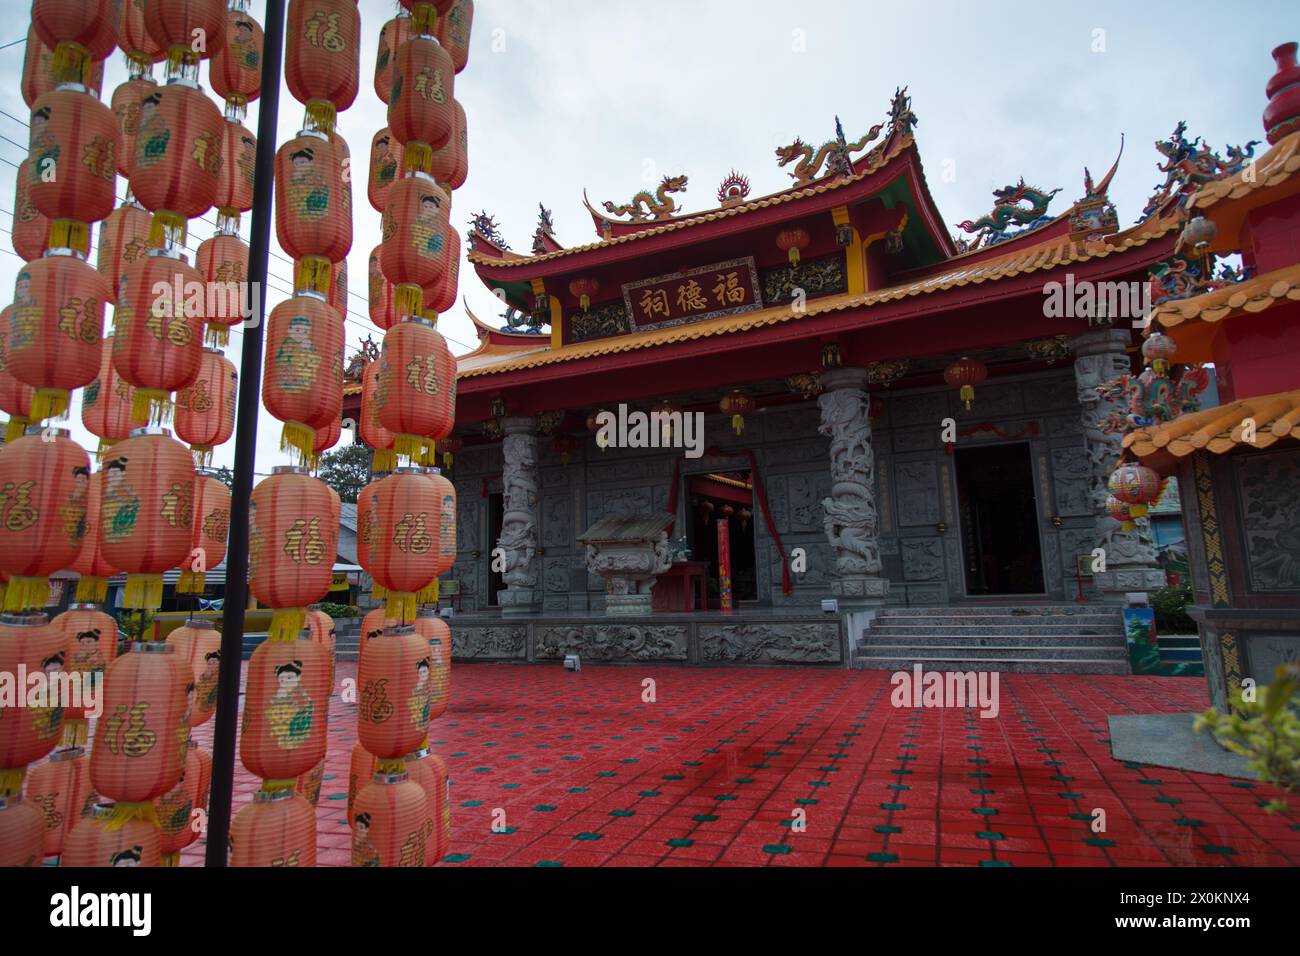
[
  {"x": 1018, "y": 665},
  {"x": 970, "y": 611},
  {"x": 874, "y": 638},
  {"x": 995, "y": 651},
  {"x": 941, "y": 626}
]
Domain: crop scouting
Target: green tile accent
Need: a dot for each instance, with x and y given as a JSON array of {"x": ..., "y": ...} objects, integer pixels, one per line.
[
  {"x": 893, "y": 806},
  {"x": 544, "y": 808},
  {"x": 456, "y": 857},
  {"x": 985, "y": 811},
  {"x": 704, "y": 818},
  {"x": 994, "y": 863},
  {"x": 648, "y": 793},
  {"x": 882, "y": 857},
  {"x": 1099, "y": 841},
  {"x": 589, "y": 836},
  {"x": 989, "y": 835},
  {"x": 1189, "y": 822},
  {"x": 888, "y": 829},
  {"x": 680, "y": 842},
  {"x": 776, "y": 849},
  {"x": 548, "y": 863}
]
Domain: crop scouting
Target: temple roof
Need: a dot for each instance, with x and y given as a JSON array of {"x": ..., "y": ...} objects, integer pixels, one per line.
[
  {"x": 1221, "y": 429},
  {"x": 1249, "y": 295}
]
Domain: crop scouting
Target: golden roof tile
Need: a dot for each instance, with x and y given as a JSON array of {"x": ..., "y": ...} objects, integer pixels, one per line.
[
  {"x": 1250, "y": 295},
  {"x": 1275, "y": 167},
  {"x": 1259, "y": 421}
]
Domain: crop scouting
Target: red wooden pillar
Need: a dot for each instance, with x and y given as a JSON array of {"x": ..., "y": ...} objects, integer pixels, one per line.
[{"x": 724, "y": 564}]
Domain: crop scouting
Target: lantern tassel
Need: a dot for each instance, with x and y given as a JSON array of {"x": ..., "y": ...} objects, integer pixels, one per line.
[
  {"x": 124, "y": 813},
  {"x": 105, "y": 446},
  {"x": 400, "y": 605},
  {"x": 417, "y": 157},
  {"x": 738, "y": 424},
  {"x": 299, "y": 437},
  {"x": 218, "y": 336},
  {"x": 321, "y": 115},
  {"x": 70, "y": 234},
  {"x": 279, "y": 786},
  {"x": 202, "y": 455},
  {"x": 11, "y": 780},
  {"x": 428, "y": 594},
  {"x": 1137, "y": 510},
  {"x": 151, "y": 405},
  {"x": 22, "y": 594},
  {"x": 91, "y": 589},
  {"x": 968, "y": 395},
  {"x": 385, "y": 460},
  {"x": 794, "y": 256},
  {"x": 286, "y": 624},
  {"x": 143, "y": 591},
  {"x": 447, "y": 460},
  {"x": 390, "y": 766},
  {"x": 167, "y": 229},
  {"x": 408, "y": 446},
  {"x": 170, "y": 859},
  {"x": 71, "y": 63},
  {"x": 75, "y": 733},
  {"x": 378, "y": 592},
  {"x": 314, "y": 274},
  {"x": 49, "y": 403},
  {"x": 192, "y": 582},
  {"x": 15, "y": 429},
  {"x": 408, "y": 300},
  {"x": 585, "y": 302}
]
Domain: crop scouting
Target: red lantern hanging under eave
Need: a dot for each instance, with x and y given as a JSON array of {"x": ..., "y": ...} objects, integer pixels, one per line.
[
  {"x": 737, "y": 405},
  {"x": 198, "y": 644},
  {"x": 104, "y": 840},
  {"x": 313, "y": 210},
  {"x": 176, "y": 168},
  {"x": 450, "y": 164},
  {"x": 391, "y": 35},
  {"x": 106, "y": 402},
  {"x": 322, "y": 57},
  {"x": 73, "y": 146},
  {"x": 174, "y": 25},
  {"x": 405, "y": 559},
  {"x": 966, "y": 373},
  {"x": 31, "y": 230},
  {"x": 391, "y": 823},
  {"x": 380, "y": 294},
  {"x": 793, "y": 242},
  {"x": 44, "y": 486},
  {"x": 454, "y": 29},
  {"x": 293, "y": 541},
  {"x": 420, "y": 110},
  {"x": 55, "y": 329},
  {"x": 235, "y": 71},
  {"x": 416, "y": 393},
  {"x": 441, "y": 296},
  {"x": 584, "y": 288},
  {"x": 158, "y": 340},
  {"x": 123, "y": 240},
  {"x": 415, "y": 253},
  {"x": 147, "y": 513},
  {"x": 286, "y": 710},
  {"x": 93, "y": 568},
  {"x": 385, "y": 168},
  {"x": 302, "y": 382},
  {"x": 205, "y": 411},
  {"x": 89, "y": 24},
  {"x": 211, "y": 530},
  {"x": 393, "y": 686},
  {"x": 125, "y": 103},
  {"x": 27, "y": 733},
  {"x": 1137, "y": 486},
  {"x": 278, "y": 829}
]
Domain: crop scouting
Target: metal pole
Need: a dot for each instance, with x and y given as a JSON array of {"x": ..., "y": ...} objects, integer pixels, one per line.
[{"x": 250, "y": 389}]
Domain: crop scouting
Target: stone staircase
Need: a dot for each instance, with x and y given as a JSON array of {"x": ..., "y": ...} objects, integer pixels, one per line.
[{"x": 1035, "y": 639}]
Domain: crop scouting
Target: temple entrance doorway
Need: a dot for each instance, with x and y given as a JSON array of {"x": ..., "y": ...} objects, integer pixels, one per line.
[
  {"x": 724, "y": 496},
  {"x": 999, "y": 520},
  {"x": 495, "y": 516}
]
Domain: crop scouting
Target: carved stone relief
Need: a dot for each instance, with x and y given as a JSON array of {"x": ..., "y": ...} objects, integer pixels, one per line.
[
  {"x": 775, "y": 643},
  {"x": 612, "y": 642}
]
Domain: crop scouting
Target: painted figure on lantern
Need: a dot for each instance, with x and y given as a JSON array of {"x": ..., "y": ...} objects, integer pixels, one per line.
[
  {"x": 290, "y": 712},
  {"x": 206, "y": 689},
  {"x": 385, "y": 162},
  {"x": 129, "y": 857},
  {"x": 88, "y": 656},
  {"x": 364, "y": 853},
  {"x": 73, "y": 511},
  {"x": 121, "y": 505},
  {"x": 243, "y": 47},
  {"x": 427, "y": 236},
  {"x": 421, "y": 699},
  {"x": 296, "y": 359},
  {"x": 151, "y": 142},
  {"x": 44, "y": 147},
  {"x": 307, "y": 188}
]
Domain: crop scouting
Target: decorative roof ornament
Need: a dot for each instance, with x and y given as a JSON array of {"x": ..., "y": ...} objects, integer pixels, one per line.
[
  {"x": 1049, "y": 350},
  {"x": 516, "y": 321},
  {"x": 483, "y": 226},
  {"x": 991, "y": 228},
  {"x": 886, "y": 373},
  {"x": 1094, "y": 216},
  {"x": 733, "y": 191},
  {"x": 544, "y": 237},
  {"x": 356, "y": 367},
  {"x": 901, "y": 118},
  {"x": 1189, "y": 165},
  {"x": 804, "y": 384},
  {"x": 659, "y": 205},
  {"x": 835, "y": 154},
  {"x": 548, "y": 421}
]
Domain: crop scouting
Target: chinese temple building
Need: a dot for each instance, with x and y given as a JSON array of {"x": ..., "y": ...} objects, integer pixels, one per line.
[{"x": 908, "y": 436}]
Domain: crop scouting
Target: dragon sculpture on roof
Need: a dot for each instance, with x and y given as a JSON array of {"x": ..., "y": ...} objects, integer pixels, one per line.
[
  {"x": 1007, "y": 212},
  {"x": 545, "y": 230},
  {"x": 486, "y": 227},
  {"x": 659, "y": 205},
  {"x": 1190, "y": 164},
  {"x": 901, "y": 118},
  {"x": 835, "y": 154}
]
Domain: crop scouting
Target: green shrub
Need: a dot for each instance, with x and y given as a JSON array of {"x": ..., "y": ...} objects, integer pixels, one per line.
[
  {"x": 1170, "y": 606},
  {"x": 340, "y": 611}
]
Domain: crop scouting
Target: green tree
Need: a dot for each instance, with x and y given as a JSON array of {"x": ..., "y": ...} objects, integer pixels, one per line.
[{"x": 346, "y": 470}]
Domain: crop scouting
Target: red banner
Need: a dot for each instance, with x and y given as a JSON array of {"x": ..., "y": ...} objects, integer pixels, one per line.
[{"x": 724, "y": 564}]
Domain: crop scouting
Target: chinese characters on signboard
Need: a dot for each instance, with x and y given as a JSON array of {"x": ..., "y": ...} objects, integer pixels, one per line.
[{"x": 724, "y": 288}]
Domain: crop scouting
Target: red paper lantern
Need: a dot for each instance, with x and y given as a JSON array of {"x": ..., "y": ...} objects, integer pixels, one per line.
[
  {"x": 205, "y": 411},
  {"x": 338, "y": 291},
  {"x": 450, "y": 164},
  {"x": 454, "y": 32},
  {"x": 175, "y": 25},
  {"x": 197, "y": 645},
  {"x": 158, "y": 345},
  {"x": 415, "y": 253},
  {"x": 322, "y": 56},
  {"x": 322, "y": 630},
  {"x": 104, "y": 840},
  {"x": 31, "y": 230},
  {"x": 222, "y": 260},
  {"x": 107, "y": 401},
  {"x": 286, "y": 709},
  {"x": 966, "y": 373},
  {"x": 211, "y": 527},
  {"x": 142, "y": 737},
  {"x": 60, "y": 789},
  {"x": 176, "y": 168},
  {"x": 175, "y": 811},
  {"x": 15, "y": 396},
  {"x": 450, "y": 448},
  {"x": 123, "y": 240},
  {"x": 239, "y": 157},
  {"x": 28, "y": 645},
  {"x": 445, "y": 491},
  {"x": 90, "y": 637},
  {"x": 737, "y": 404},
  {"x": 394, "y": 687},
  {"x": 1120, "y": 511},
  {"x": 391, "y": 36},
  {"x": 441, "y": 296},
  {"x": 22, "y": 832},
  {"x": 132, "y": 36},
  {"x": 371, "y": 431},
  {"x": 292, "y": 545},
  {"x": 91, "y": 565},
  {"x": 390, "y": 822},
  {"x": 1137, "y": 486},
  {"x": 385, "y": 168},
  {"x": 44, "y": 486},
  {"x": 420, "y": 110},
  {"x": 1158, "y": 349},
  {"x": 38, "y": 70},
  {"x": 73, "y": 148},
  {"x": 792, "y": 242},
  {"x": 584, "y": 289},
  {"x": 380, "y": 290},
  {"x": 416, "y": 390},
  {"x": 430, "y": 772},
  {"x": 405, "y": 514},
  {"x": 55, "y": 329},
  {"x": 90, "y": 24},
  {"x": 235, "y": 71},
  {"x": 147, "y": 513},
  {"x": 309, "y": 784},
  {"x": 125, "y": 103},
  {"x": 313, "y": 207},
  {"x": 302, "y": 382},
  {"x": 278, "y": 829},
  {"x": 361, "y": 768},
  {"x": 435, "y": 630}
]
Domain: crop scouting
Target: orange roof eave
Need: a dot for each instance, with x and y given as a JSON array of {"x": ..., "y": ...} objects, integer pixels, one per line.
[{"x": 1256, "y": 422}]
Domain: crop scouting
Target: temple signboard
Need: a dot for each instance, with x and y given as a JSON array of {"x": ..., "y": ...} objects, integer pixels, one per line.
[{"x": 724, "y": 288}]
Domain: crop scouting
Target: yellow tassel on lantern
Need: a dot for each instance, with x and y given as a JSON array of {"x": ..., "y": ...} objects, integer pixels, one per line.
[
  {"x": 447, "y": 459},
  {"x": 286, "y": 624},
  {"x": 91, "y": 590},
  {"x": 1138, "y": 510},
  {"x": 191, "y": 582},
  {"x": 385, "y": 460},
  {"x": 429, "y": 456},
  {"x": 143, "y": 591},
  {"x": 298, "y": 437},
  {"x": 408, "y": 446},
  {"x": 24, "y": 593},
  {"x": 400, "y": 606},
  {"x": 49, "y": 403},
  {"x": 418, "y": 156},
  {"x": 585, "y": 302},
  {"x": 428, "y": 594},
  {"x": 390, "y": 766},
  {"x": 738, "y": 424},
  {"x": 794, "y": 256},
  {"x": 408, "y": 300},
  {"x": 105, "y": 446},
  {"x": 11, "y": 781},
  {"x": 75, "y": 733},
  {"x": 168, "y": 229},
  {"x": 217, "y": 336},
  {"x": 968, "y": 395},
  {"x": 151, "y": 405},
  {"x": 124, "y": 813},
  {"x": 321, "y": 115},
  {"x": 71, "y": 63},
  {"x": 202, "y": 455},
  {"x": 70, "y": 234},
  {"x": 377, "y": 592},
  {"x": 15, "y": 429},
  {"x": 278, "y": 786},
  {"x": 314, "y": 274}
]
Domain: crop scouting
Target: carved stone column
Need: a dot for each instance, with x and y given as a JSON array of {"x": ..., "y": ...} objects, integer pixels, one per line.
[
  {"x": 1130, "y": 555},
  {"x": 518, "y": 541},
  {"x": 851, "y": 517}
]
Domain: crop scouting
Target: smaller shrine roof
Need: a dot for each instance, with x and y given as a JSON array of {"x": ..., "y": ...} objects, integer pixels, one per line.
[
  {"x": 627, "y": 528},
  {"x": 1249, "y": 295},
  {"x": 1222, "y": 428}
]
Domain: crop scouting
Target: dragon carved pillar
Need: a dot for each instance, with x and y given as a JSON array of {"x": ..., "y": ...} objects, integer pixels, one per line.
[
  {"x": 518, "y": 542},
  {"x": 851, "y": 516},
  {"x": 1131, "y": 567}
]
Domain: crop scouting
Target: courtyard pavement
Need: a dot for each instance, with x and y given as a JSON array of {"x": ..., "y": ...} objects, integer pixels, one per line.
[{"x": 803, "y": 767}]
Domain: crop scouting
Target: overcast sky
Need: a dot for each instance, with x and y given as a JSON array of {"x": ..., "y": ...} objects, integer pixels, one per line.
[{"x": 605, "y": 94}]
